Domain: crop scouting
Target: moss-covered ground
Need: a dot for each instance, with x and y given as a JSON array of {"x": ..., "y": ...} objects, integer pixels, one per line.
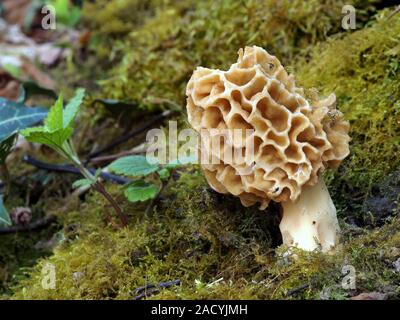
[{"x": 215, "y": 246}]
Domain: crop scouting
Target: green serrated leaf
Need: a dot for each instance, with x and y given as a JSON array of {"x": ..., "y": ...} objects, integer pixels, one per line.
[
  {"x": 54, "y": 120},
  {"x": 140, "y": 190},
  {"x": 41, "y": 135},
  {"x": 58, "y": 125},
  {"x": 4, "y": 216},
  {"x": 82, "y": 183},
  {"x": 133, "y": 166},
  {"x": 72, "y": 108},
  {"x": 16, "y": 116}
]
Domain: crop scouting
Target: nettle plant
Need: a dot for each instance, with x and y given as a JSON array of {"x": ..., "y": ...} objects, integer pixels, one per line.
[{"x": 57, "y": 131}]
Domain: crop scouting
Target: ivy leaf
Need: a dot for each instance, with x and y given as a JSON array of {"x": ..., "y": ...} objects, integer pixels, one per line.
[
  {"x": 16, "y": 116},
  {"x": 54, "y": 120},
  {"x": 72, "y": 108},
  {"x": 82, "y": 183},
  {"x": 58, "y": 126},
  {"x": 30, "y": 88},
  {"x": 133, "y": 166},
  {"x": 140, "y": 190},
  {"x": 4, "y": 216}
]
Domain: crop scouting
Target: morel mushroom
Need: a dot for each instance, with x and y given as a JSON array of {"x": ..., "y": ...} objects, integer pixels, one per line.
[{"x": 294, "y": 139}]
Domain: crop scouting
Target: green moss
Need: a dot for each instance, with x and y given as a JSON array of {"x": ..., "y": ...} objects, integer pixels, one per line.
[
  {"x": 362, "y": 69},
  {"x": 199, "y": 237},
  {"x": 20, "y": 251},
  {"x": 156, "y": 58},
  {"x": 17, "y": 254},
  {"x": 215, "y": 246}
]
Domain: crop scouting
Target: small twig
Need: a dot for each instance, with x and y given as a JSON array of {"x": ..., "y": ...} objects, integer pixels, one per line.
[
  {"x": 396, "y": 10},
  {"x": 140, "y": 149},
  {"x": 298, "y": 289},
  {"x": 112, "y": 157},
  {"x": 34, "y": 226},
  {"x": 71, "y": 169},
  {"x": 132, "y": 134},
  {"x": 147, "y": 293},
  {"x": 150, "y": 289},
  {"x": 174, "y": 106}
]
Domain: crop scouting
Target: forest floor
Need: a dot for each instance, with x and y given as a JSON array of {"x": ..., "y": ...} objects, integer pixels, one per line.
[{"x": 134, "y": 58}]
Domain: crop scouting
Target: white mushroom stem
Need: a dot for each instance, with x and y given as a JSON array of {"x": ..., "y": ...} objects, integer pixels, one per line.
[{"x": 310, "y": 221}]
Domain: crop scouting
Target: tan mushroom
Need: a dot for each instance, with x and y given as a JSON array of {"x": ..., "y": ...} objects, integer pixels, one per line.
[{"x": 294, "y": 139}]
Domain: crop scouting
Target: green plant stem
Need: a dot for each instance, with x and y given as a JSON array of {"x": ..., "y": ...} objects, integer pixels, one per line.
[{"x": 69, "y": 152}]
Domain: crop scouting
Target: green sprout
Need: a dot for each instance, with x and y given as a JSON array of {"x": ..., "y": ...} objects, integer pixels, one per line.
[{"x": 56, "y": 133}]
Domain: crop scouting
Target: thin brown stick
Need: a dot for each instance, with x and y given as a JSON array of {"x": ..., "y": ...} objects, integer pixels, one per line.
[
  {"x": 71, "y": 169},
  {"x": 112, "y": 157},
  {"x": 132, "y": 134},
  {"x": 141, "y": 149},
  {"x": 396, "y": 10},
  {"x": 34, "y": 226},
  {"x": 297, "y": 290},
  {"x": 151, "y": 289}
]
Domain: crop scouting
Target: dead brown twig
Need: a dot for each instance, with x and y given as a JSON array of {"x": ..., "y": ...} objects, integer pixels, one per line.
[
  {"x": 34, "y": 226},
  {"x": 132, "y": 134},
  {"x": 396, "y": 10},
  {"x": 297, "y": 290},
  {"x": 150, "y": 289}
]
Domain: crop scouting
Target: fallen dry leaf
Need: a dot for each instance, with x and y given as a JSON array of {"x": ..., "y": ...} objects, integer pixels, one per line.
[
  {"x": 9, "y": 86},
  {"x": 15, "y": 11},
  {"x": 370, "y": 296},
  {"x": 31, "y": 71},
  {"x": 14, "y": 44}
]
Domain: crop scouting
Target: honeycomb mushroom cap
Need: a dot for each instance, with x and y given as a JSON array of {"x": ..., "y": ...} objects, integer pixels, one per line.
[{"x": 294, "y": 137}]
